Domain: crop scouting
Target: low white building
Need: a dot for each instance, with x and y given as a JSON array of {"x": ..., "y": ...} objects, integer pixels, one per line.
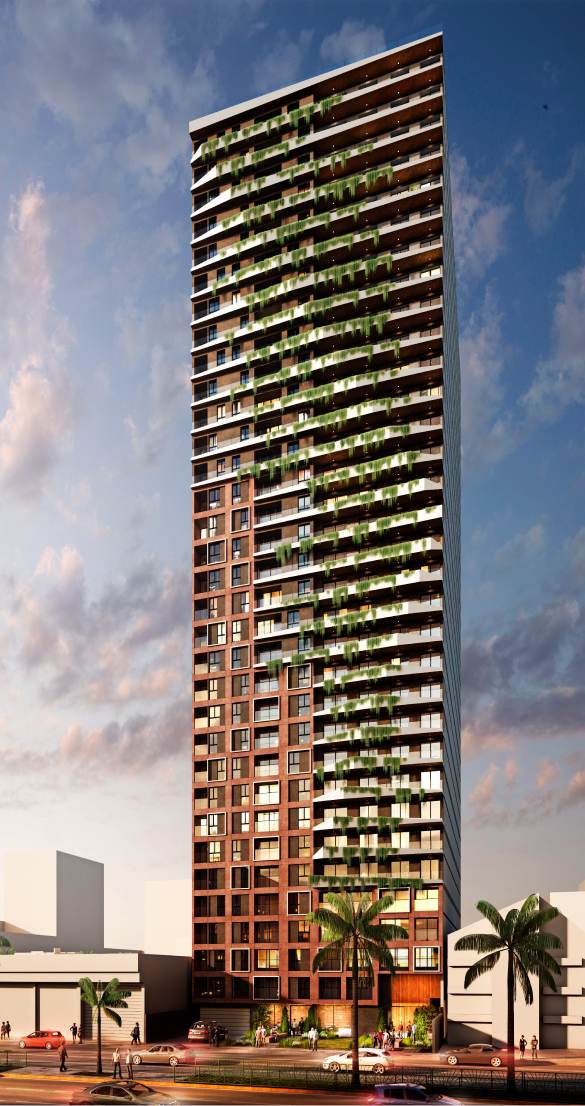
[
  {"x": 40, "y": 990},
  {"x": 53, "y": 900},
  {"x": 557, "y": 1018},
  {"x": 168, "y": 908}
]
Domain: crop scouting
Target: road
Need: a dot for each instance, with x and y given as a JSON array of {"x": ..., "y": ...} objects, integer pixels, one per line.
[{"x": 37, "y": 1090}]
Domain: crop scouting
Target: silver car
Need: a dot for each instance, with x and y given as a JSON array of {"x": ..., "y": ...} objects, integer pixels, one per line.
[
  {"x": 122, "y": 1091},
  {"x": 370, "y": 1059},
  {"x": 164, "y": 1054}
]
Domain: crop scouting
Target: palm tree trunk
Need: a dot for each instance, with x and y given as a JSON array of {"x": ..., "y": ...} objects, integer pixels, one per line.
[
  {"x": 99, "y": 1040},
  {"x": 355, "y": 1056},
  {"x": 511, "y": 1080}
]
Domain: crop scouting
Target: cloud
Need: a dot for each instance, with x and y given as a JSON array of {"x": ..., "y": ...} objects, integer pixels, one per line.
[
  {"x": 544, "y": 199},
  {"x": 283, "y": 63},
  {"x": 139, "y": 744},
  {"x": 559, "y": 380},
  {"x": 37, "y": 413},
  {"x": 548, "y": 770},
  {"x": 115, "y": 82},
  {"x": 128, "y": 644},
  {"x": 524, "y": 544},
  {"x": 479, "y": 224},
  {"x": 481, "y": 799},
  {"x": 159, "y": 338},
  {"x": 487, "y": 434},
  {"x": 354, "y": 40},
  {"x": 576, "y": 789}
]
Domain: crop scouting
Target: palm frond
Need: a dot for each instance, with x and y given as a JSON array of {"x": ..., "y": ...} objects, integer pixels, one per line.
[
  {"x": 537, "y": 920},
  {"x": 387, "y": 931},
  {"x": 493, "y": 916},
  {"x": 535, "y": 958},
  {"x": 480, "y": 942},
  {"x": 88, "y": 991},
  {"x": 342, "y": 904},
  {"x": 112, "y": 1015},
  {"x": 546, "y": 977},
  {"x": 330, "y": 922},
  {"x": 544, "y": 940},
  {"x": 481, "y": 967},
  {"x": 322, "y": 955},
  {"x": 521, "y": 976},
  {"x": 379, "y": 906}
]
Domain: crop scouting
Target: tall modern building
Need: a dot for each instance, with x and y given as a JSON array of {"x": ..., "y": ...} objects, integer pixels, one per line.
[{"x": 326, "y": 605}]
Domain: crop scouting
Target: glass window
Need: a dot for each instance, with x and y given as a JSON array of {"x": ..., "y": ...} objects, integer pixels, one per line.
[{"x": 426, "y": 958}]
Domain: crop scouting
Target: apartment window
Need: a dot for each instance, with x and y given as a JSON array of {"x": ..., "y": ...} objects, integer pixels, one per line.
[
  {"x": 236, "y": 462},
  {"x": 299, "y": 675},
  {"x": 236, "y": 547},
  {"x": 244, "y": 377},
  {"x": 265, "y": 904},
  {"x": 220, "y": 359},
  {"x": 292, "y": 447},
  {"x": 244, "y": 433},
  {"x": 239, "y": 768},
  {"x": 240, "y": 960},
  {"x": 211, "y": 442},
  {"x": 299, "y": 902},
  {"x": 240, "y": 794},
  {"x": 400, "y": 959},
  {"x": 214, "y": 498},
  {"x": 215, "y": 743},
  {"x": 266, "y": 877},
  {"x": 298, "y": 761},
  {"x": 236, "y": 351},
  {"x": 266, "y": 821},
  {"x": 304, "y": 502},
  {"x": 216, "y": 769},
  {"x": 304, "y": 530},
  {"x": 266, "y": 959},
  {"x": 220, "y": 412},
  {"x": 298, "y": 875},
  {"x": 299, "y": 705},
  {"x": 241, "y": 519},
  {"x": 237, "y": 630},
  {"x": 293, "y": 618},
  {"x": 240, "y": 849},
  {"x": 240, "y": 656},
  {"x": 208, "y": 986},
  {"x": 244, "y": 321},
  {"x": 300, "y": 988},
  {"x": 220, "y": 467},
  {"x": 304, "y": 587},
  {"x": 266, "y": 848},
  {"x": 303, "y": 560},
  {"x": 426, "y": 929},
  {"x": 299, "y": 733},
  {"x": 214, "y": 552},
  {"x": 266, "y": 933},
  {"x": 266, "y": 794},
  {"x": 329, "y": 988},
  {"x": 298, "y": 960},
  {"x": 299, "y": 846},
  {"x": 426, "y": 899},
  {"x": 299, "y": 932},
  {"x": 240, "y": 741},
  {"x": 214, "y": 661},
  {"x": 241, "y": 934},
  {"x": 426, "y": 958},
  {"x": 267, "y": 990},
  {"x": 239, "y": 575},
  {"x": 215, "y": 852},
  {"x": 236, "y": 493},
  {"x": 240, "y": 878},
  {"x": 299, "y": 791},
  {"x": 401, "y": 903},
  {"x": 241, "y": 821},
  {"x": 240, "y": 905},
  {"x": 241, "y": 684}
]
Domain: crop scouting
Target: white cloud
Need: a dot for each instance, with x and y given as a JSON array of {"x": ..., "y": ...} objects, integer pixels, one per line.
[
  {"x": 524, "y": 544},
  {"x": 559, "y": 379},
  {"x": 544, "y": 199},
  {"x": 487, "y": 434},
  {"x": 354, "y": 40},
  {"x": 34, "y": 430},
  {"x": 283, "y": 63},
  {"x": 479, "y": 223}
]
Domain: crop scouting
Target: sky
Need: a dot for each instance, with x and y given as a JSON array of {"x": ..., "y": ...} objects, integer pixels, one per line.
[{"x": 95, "y": 100}]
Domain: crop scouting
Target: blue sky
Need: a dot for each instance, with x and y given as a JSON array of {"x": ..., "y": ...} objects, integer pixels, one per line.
[{"x": 95, "y": 100}]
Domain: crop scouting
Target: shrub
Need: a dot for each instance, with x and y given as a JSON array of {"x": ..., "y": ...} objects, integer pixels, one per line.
[
  {"x": 365, "y": 1040},
  {"x": 284, "y": 1023}
]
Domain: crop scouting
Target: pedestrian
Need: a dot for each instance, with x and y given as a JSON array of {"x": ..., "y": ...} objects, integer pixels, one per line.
[
  {"x": 63, "y": 1057},
  {"x": 385, "y": 1038},
  {"x": 129, "y": 1064},
  {"x": 413, "y": 1032},
  {"x": 313, "y": 1036},
  {"x": 263, "y": 1034},
  {"x": 523, "y": 1043},
  {"x": 3, "y": 1031},
  {"x": 79, "y": 1035},
  {"x": 136, "y": 1034},
  {"x": 73, "y": 1031},
  {"x": 391, "y": 1040},
  {"x": 257, "y": 1037},
  {"x": 7, "y": 1029},
  {"x": 116, "y": 1063},
  {"x": 534, "y": 1047},
  {"x": 293, "y": 1028}
]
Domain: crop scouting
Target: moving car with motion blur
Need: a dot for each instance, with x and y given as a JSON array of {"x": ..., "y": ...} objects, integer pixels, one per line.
[
  {"x": 477, "y": 1055},
  {"x": 122, "y": 1091},
  {"x": 43, "y": 1038},
  {"x": 164, "y": 1054},
  {"x": 370, "y": 1059},
  {"x": 409, "y": 1094}
]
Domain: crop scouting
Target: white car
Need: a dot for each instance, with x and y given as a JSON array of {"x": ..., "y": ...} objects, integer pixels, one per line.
[
  {"x": 371, "y": 1059},
  {"x": 409, "y": 1094}
]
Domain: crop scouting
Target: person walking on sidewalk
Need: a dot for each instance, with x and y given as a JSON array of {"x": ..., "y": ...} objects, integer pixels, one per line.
[
  {"x": 63, "y": 1057},
  {"x": 534, "y": 1047},
  {"x": 523, "y": 1043},
  {"x": 73, "y": 1031},
  {"x": 116, "y": 1062},
  {"x": 79, "y": 1035},
  {"x": 129, "y": 1064}
]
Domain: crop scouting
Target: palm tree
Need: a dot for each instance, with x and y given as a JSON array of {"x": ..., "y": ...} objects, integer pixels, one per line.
[
  {"x": 349, "y": 928},
  {"x": 519, "y": 935},
  {"x": 107, "y": 998}
]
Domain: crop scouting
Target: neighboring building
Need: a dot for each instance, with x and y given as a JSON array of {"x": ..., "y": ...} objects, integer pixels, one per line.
[
  {"x": 40, "y": 990},
  {"x": 326, "y": 621},
  {"x": 53, "y": 900},
  {"x": 167, "y": 917},
  {"x": 557, "y": 1018}
]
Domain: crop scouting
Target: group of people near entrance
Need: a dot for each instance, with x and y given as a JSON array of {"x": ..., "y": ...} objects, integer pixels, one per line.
[
  {"x": 116, "y": 1058},
  {"x": 5, "y": 1031}
]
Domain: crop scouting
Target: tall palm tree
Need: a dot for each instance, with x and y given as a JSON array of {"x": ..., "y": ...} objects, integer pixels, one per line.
[
  {"x": 108, "y": 998},
  {"x": 348, "y": 927},
  {"x": 520, "y": 937}
]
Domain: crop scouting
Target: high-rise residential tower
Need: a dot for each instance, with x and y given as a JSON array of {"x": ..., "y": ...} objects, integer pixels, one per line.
[{"x": 326, "y": 533}]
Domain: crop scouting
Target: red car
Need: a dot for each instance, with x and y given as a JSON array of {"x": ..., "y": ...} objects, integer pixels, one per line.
[{"x": 43, "y": 1038}]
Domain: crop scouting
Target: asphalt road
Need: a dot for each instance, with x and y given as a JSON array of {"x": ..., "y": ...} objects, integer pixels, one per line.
[{"x": 37, "y": 1090}]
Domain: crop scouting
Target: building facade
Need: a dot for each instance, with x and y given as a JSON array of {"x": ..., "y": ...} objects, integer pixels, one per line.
[
  {"x": 325, "y": 485},
  {"x": 556, "y": 1017}
]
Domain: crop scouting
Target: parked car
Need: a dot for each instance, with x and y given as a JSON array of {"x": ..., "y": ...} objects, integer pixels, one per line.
[
  {"x": 475, "y": 1054},
  {"x": 409, "y": 1094},
  {"x": 200, "y": 1031},
  {"x": 370, "y": 1059},
  {"x": 43, "y": 1038},
  {"x": 164, "y": 1054},
  {"x": 122, "y": 1090}
]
